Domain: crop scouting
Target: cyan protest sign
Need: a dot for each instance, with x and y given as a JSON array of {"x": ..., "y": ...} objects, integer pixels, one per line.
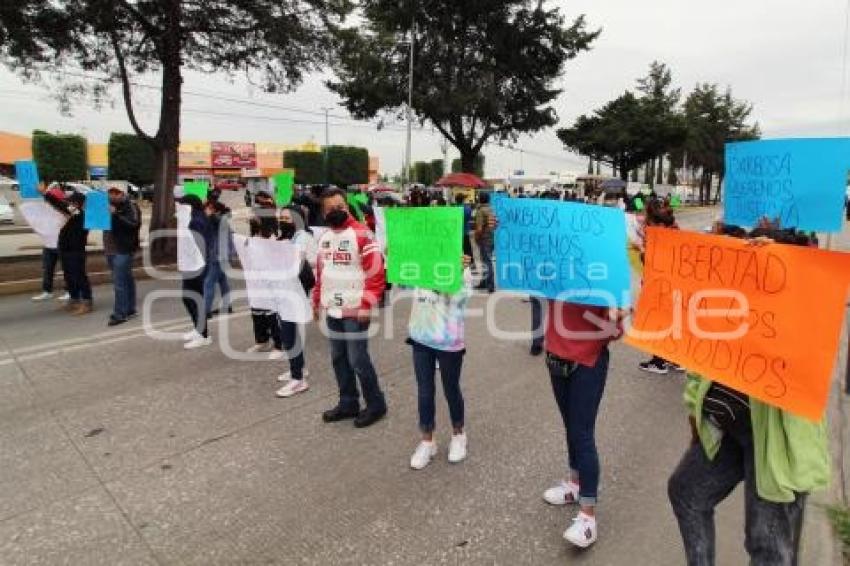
[
  {"x": 563, "y": 250},
  {"x": 27, "y": 175},
  {"x": 800, "y": 182},
  {"x": 97, "y": 211}
]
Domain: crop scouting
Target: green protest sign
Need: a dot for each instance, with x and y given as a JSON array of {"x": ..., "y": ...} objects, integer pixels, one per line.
[
  {"x": 197, "y": 188},
  {"x": 675, "y": 202},
  {"x": 638, "y": 204},
  {"x": 356, "y": 201},
  {"x": 425, "y": 247},
  {"x": 283, "y": 187}
]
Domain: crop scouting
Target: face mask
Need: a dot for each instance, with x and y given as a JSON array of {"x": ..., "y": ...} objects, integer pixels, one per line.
[
  {"x": 336, "y": 218},
  {"x": 287, "y": 230}
]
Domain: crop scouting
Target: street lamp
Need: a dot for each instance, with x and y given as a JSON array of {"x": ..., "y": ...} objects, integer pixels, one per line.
[{"x": 325, "y": 148}]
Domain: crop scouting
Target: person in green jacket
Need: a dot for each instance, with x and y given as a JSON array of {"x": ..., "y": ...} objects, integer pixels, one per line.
[{"x": 779, "y": 457}]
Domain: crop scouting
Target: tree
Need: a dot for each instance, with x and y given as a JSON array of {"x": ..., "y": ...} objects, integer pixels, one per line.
[
  {"x": 275, "y": 42},
  {"x": 60, "y": 157},
  {"x": 438, "y": 167},
  {"x": 483, "y": 70},
  {"x": 423, "y": 173},
  {"x": 347, "y": 165},
  {"x": 668, "y": 129},
  {"x": 713, "y": 119},
  {"x": 477, "y": 166},
  {"x": 309, "y": 166},
  {"x": 614, "y": 134},
  {"x": 131, "y": 159}
]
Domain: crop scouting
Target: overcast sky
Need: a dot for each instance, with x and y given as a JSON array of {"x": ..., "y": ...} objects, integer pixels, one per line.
[{"x": 785, "y": 56}]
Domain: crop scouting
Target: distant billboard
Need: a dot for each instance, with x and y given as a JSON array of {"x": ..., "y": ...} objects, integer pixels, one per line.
[{"x": 234, "y": 154}]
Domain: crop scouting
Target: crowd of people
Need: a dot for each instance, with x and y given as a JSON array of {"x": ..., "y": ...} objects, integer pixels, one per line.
[{"x": 779, "y": 457}]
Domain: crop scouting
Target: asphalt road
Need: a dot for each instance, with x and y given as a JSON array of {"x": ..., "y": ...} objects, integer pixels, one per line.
[{"x": 116, "y": 448}]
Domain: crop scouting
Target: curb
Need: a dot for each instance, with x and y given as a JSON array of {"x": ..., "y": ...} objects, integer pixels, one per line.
[
  {"x": 23, "y": 286},
  {"x": 820, "y": 544}
]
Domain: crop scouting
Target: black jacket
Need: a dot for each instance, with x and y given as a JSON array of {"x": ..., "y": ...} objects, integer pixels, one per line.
[
  {"x": 126, "y": 225},
  {"x": 73, "y": 236}
]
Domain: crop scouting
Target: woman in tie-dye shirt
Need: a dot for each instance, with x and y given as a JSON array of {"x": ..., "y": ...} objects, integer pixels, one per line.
[{"x": 437, "y": 336}]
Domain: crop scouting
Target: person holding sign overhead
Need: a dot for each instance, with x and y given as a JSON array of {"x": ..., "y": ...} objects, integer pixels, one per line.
[
  {"x": 73, "y": 238},
  {"x": 349, "y": 283},
  {"x": 779, "y": 456}
]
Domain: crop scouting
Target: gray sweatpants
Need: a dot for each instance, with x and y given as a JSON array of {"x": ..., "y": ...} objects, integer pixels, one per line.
[{"x": 772, "y": 530}]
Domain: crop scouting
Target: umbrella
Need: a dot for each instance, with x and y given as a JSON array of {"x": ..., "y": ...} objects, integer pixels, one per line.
[{"x": 461, "y": 180}]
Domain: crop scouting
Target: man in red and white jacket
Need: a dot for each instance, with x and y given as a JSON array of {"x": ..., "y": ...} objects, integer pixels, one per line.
[{"x": 350, "y": 281}]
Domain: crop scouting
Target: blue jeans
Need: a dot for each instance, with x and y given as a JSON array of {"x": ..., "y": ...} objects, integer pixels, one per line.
[
  {"x": 293, "y": 345},
  {"x": 425, "y": 366},
  {"x": 537, "y": 329},
  {"x": 49, "y": 259},
  {"x": 350, "y": 357},
  {"x": 578, "y": 396},
  {"x": 124, "y": 285},
  {"x": 487, "y": 259},
  {"x": 215, "y": 274}
]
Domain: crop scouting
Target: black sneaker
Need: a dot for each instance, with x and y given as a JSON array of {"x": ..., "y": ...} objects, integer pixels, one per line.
[
  {"x": 115, "y": 321},
  {"x": 368, "y": 417},
  {"x": 536, "y": 350},
  {"x": 653, "y": 366},
  {"x": 675, "y": 367},
  {"x": 338, "y": 414}
]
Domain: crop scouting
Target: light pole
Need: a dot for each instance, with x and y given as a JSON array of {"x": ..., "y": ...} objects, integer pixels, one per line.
[
  {"x": 407, "y": 157},
  {"x": 325, "y": 148}
]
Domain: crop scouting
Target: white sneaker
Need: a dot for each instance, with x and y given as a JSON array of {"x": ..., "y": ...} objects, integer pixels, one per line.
[
  {"x": 582, "y": 532},
  {"x": 287, "y": 376},
  {"x": 276, "y": 355},
  {"x": 265, "y": 347},
  {"x": 423, "y": 454},
  {"x": 190, "y": 335},
  {"x": 293, "y": 387},
  {"x": 562, "y": 494},
  {"x": 197, "y": 342},
  {"x": 66, "y": 296},
  {"x": 457, "y": 448},
  {"x": 43, "y": 296}
]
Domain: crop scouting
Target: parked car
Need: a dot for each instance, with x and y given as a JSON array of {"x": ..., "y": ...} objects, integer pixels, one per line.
[
  {"x": 228, "y": 185},
  {"x": 7, "y": 213},
  {"x": 146, "y": 192}
]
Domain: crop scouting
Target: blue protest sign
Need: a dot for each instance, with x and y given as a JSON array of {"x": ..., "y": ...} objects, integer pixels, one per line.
[
  {"x": 800, "y": 182},
  {"x": 27, "y": 175},
  {"x": 98, "y": 216},
  {"x": 563, "y": 250}
]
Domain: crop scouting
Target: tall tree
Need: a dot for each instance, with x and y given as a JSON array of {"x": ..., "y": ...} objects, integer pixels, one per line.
[
  {"x": 614, "y": 134},
  {"x": 60, "y": 157},
  {"x": 713, "y": 119},
  {"x": 274, "y": 42},
  {"x": 131, "y": 159},
  {"x": 668, "y": 129},
  {"x": 483, "y": 70}
]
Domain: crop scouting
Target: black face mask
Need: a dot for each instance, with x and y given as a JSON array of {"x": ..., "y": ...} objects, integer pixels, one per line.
[
  {"x": 287, "y": 230},
  {"x": 336, "y": 218}
]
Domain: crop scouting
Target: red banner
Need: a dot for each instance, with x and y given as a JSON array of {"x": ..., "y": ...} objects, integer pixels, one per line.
[{"x": 233, "y": 154}]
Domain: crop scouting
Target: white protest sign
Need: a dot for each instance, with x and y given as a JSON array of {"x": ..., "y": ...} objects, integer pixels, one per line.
[
  {"x": 271, "y": 269},
  {"x": 45, "y": 221},
  {"x": 190, "y": 258}
]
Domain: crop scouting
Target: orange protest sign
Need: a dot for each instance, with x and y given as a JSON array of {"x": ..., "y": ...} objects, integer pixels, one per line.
[{"x": 764, "y": 320}]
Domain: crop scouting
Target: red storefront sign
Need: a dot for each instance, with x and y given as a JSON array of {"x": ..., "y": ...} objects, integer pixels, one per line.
[{"x": 233, "y": 154}]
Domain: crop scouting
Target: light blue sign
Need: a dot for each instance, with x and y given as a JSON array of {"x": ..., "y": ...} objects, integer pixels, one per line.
[
  {"x": 800, "y": 182},
  {"x": 563, "y": 250},
  {"x": 98, "y": 216},
  {"x": 27, "y": 175}
]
